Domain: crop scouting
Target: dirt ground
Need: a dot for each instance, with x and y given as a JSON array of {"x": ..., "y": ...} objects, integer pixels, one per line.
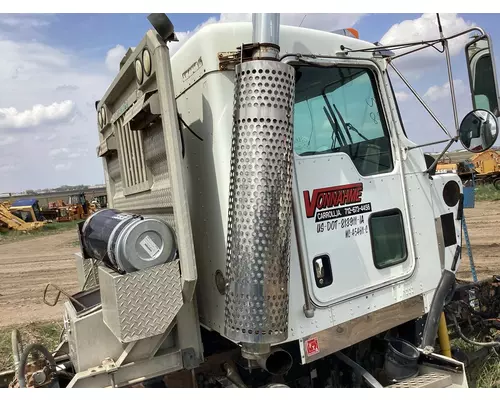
[
  {"x": 27, "y": 266},
  {"x": 483, "y": 224}
]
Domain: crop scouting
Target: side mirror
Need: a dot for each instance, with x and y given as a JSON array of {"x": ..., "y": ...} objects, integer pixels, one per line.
[
  {"x": 478, "y": 131},
  {"x": 482, "y": 74}
]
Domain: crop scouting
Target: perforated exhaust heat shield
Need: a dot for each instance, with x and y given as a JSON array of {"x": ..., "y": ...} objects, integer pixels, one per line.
[{"x": 260, "y": 203}]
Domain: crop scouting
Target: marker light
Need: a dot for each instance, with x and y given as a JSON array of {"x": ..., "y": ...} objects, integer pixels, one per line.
[
  {"x": 351, "y": 32},
  {"x": 354, "y": 32}
]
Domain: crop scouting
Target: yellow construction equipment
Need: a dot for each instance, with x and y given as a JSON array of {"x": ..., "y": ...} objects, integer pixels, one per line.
[
  {"x": 487, "y": 166},
  {"x": 26, "y": 209},
  {"x": 12, "y": 222},
  {"x": 79, "y": 206}
]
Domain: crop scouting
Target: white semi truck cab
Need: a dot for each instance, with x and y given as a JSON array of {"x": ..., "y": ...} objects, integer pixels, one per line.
[{"x": 270, "y": 223}]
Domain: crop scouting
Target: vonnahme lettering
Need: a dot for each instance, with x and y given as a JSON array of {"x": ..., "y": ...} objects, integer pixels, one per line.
[{"x": 332, "y": 197}]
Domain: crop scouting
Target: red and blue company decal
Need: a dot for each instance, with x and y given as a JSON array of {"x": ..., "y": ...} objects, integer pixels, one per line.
[{"x": 324, "y": 204}]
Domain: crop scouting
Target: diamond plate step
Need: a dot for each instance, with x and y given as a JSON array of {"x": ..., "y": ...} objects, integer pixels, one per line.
[{"x": 430, "y": 380}]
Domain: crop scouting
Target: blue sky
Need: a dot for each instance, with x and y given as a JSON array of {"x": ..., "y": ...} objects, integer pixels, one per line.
[{"x": 55, "y": 66}]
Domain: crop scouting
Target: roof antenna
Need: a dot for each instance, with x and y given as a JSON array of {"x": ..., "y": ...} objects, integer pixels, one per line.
[{"x": 301, "y": 22}]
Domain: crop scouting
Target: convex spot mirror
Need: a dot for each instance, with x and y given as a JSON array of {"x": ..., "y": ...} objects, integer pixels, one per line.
[
  {"x": 482, "y": 74},
  {"x": 478, "y": 131}
]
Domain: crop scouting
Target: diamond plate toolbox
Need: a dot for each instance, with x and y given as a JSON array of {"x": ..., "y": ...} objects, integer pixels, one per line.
[
  {"x": 86, "y": 272},
  {"x": 141, "y": 304}
]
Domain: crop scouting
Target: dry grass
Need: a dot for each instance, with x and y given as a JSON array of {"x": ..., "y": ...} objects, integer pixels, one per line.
[
  {"x": 7, "y": 236},
  {"x": 487, "y": 193},
  {"x": 489, "y": 373},
  {"x": 483, "y": 373},
  {"x": 44, "y": 333}
]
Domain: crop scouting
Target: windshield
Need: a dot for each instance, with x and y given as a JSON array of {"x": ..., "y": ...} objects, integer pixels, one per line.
[
  {"x": 24, "y": 215},
  {"x": 337, "y": 110}
]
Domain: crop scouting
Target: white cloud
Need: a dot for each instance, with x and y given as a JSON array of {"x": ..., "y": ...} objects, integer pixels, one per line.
[
  {"x": 68, "y": 153},
  {"x": 58, "y": 152},
  {"x": 11, "y": 118},
  {"x": 184, "y": 36},
  {"x": 5, "y": 141},
  {"x": 114, "y": 56},
  {"x": 78, "y": 153},
  {"x": 427, "y": 72},
  {"x": 328, "y": 22},
  {"x": 426, "y": 28},
  {"x": 27, "y": 57},
  {"x": 325, "y": 22},
  {"x": 20, "y": 21},
  {"x": 44, "y": 138},
  {"x": 7, "y": 168},
  {"x": 438, "y": 92},
  {"x": 33, "y": 72},
  {"x": 67, "y": 88},
  {"x": 63, "y": 166},
  {"x": 402, "y": 96},
  {"x": 420, "y": 126}
]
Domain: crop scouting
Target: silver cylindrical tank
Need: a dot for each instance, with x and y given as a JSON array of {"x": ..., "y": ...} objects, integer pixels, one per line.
[
  {"x": 127, "y": 242},
  {"x": 260, "y": 203}
]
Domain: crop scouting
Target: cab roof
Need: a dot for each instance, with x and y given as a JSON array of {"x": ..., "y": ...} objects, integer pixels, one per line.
[
  {"x": 216, "y": 38},
  {"x": 24, "y": 203}
]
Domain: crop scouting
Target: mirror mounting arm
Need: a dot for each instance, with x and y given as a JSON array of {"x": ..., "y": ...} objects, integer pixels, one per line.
[
  {"x": 438, "y": 158},
  {"x": 430, "y": 143},
  {"x": 424, "y": 43},
  {"x": 422, "y": 102},
  {"x": 450, "y": 74}
]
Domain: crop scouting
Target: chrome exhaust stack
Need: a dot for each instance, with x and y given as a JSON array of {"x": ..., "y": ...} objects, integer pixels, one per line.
[
  {"x": 275, "y": 361},
  {"x": 260, "y": 200}
]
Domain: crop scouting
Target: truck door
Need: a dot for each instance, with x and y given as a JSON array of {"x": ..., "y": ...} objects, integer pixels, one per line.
[{"x": 349, "y": 179}]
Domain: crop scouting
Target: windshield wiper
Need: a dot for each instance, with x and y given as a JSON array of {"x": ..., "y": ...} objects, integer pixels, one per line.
[
  {"x": 343, "y": 123},
  {"x": 335, "y": 123},
  {"x": 348, "y": 126},
  {"x": 352, "y": 128},
  {"x": 335, "y": 130}
]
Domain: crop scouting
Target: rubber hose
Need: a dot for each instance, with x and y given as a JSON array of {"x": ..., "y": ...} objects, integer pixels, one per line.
[
  {"x": 445, "y": 286},
  {"x": 17, "y": 347},
  {"x": 24, "y": 358},
  {"x": 66, "y": 374},
  {"x": 472, "y": 342}
]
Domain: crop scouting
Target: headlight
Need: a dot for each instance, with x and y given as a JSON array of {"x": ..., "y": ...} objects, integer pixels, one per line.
[
  {"x": 103, "y": 112},
  {"x": 146, "y": 61},
  {"x": 99, "y": 119},
  {"x": 139, "y": 71}
]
